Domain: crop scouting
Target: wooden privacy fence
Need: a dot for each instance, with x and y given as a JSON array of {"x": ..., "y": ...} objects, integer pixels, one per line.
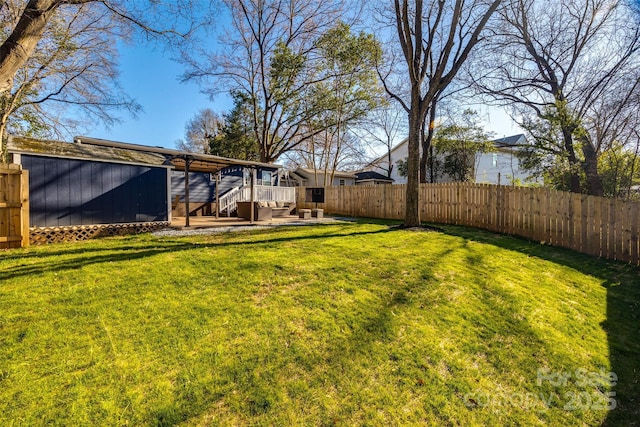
[
  {"x": 598, "y": 226},
  {"x": 14, "y": 206}
]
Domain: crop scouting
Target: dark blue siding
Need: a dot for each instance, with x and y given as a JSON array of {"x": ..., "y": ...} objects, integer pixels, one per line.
[
  {"x": 75, "y": 195},
  {"x": 37, "y": 183},
  {"x": 202, "y": 187},
  {"x": 82, "y": 192}
]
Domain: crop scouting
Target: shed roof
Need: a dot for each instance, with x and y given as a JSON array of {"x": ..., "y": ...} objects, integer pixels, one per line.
[
  {"x": 197, "y": 162},
  {"x": 112, "y": 151},
  {"x": 44, "y": 147}
]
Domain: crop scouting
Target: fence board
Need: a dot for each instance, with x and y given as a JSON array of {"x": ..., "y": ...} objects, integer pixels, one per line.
[
  {"x": 604, "y": 227},
  {"x": 552, "y": 217},
  {"x": 625, "y": 232},
  {"x": 597, "y": 236}
]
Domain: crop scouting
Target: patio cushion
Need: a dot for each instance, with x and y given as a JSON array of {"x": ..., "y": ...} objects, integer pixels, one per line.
[{"x": 272, "y": 204}]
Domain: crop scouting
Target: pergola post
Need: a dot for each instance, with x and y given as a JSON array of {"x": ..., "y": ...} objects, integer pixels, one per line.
[
  {"x": 187, "y": 161},
  {"x": 217, "y": 195},
  {"x": 251, "y": 189}
]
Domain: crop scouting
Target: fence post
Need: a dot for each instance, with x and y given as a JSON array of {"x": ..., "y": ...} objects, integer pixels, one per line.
[
  {"x": 14, "y": 206},
  {"x": 24, "y": 208}
]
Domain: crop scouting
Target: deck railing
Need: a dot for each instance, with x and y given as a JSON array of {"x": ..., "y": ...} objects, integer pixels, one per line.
[
  {"x": 264, "y": 193},
  {"x": 229, "y": 202}
]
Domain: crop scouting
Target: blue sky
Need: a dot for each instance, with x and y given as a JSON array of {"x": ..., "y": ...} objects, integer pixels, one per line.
[{"x": 153, "y": 80}]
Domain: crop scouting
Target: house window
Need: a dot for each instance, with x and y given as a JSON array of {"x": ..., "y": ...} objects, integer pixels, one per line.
[
  {"x": 495, "y": 160},
  {"x": 266, "y": 178},
  {"x": 342, "y": 182}
]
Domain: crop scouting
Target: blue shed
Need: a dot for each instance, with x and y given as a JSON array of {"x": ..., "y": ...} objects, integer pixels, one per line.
[
  {"x": 94, "y": 182},
  {"x": 78, "y": 184}
]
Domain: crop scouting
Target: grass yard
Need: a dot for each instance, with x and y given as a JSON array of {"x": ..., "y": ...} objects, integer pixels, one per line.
[{"x": 346, "y": 324}]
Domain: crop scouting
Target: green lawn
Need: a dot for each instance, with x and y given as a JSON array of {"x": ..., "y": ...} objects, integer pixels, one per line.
[{"x": 346, "y": 324}]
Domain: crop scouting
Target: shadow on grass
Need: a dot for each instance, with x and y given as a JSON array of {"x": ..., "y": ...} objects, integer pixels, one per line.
[
  {"x": 73, "y": 258},
  {"x": 377, "y": 325},
  {"x": 127, "y": 243},
  {"x": 622, "y": 282}
]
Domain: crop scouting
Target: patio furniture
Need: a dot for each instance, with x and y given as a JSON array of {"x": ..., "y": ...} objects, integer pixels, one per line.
[
  {"x": 317, "y": 213},
  {"x": 304, "y": 213},
  {"x": 280, "y": 209},
  {"x": 260, "y": 212}
]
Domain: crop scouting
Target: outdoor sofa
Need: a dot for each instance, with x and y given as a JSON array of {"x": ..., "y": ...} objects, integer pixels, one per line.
[{"x": 264, "y": 211}]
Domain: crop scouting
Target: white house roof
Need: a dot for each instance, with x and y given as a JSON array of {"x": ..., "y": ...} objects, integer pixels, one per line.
[
  {"x": 308, "y": 173},
  {"x": 508, "y": 142}
]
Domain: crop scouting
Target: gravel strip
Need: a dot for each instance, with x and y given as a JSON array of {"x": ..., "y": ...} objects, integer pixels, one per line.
[{"x": 174, "y": 232}]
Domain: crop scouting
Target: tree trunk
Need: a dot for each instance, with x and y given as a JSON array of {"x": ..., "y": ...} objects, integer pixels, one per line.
[
  {"x": 424, "y": 149},
  {"x": 19, "y": 46},
  {"x": 432, "y": 165},
  {"x": 590, "y": 167},
  {"x": 574, "y": 180},
  {"x": 4, "y": 138},
  {"x": 426, "y": 144},
  {"x": 412, "y": 211}
]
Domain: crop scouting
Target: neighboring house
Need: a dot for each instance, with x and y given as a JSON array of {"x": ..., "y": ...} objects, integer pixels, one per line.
[
  {"x": 93, "y": 181},
  {"x": 502, "y": 164},
  {"x": 381, "y": 165},
  {"x": 303, "y": 177}
]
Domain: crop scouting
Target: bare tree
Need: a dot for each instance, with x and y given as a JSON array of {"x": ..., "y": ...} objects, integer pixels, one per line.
[
  {"x": 59, "y": 55},
  {"x": 200, "y": 130},
  {"x": 384, "y": 127},
  {"x": 24, "y": 37},
  {"x": 435, "y": 40},
  {"x": 325, "y": 155},
  {"x": 70, "y": 74},
  {"x": 553, "y": 61},
  {"x": 611, "y": 125},
  {"x": 35, "y": 16},
  {"x": 270, "y": 54}
]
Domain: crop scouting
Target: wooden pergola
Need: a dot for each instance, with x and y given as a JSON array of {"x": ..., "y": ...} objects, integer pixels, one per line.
[{"x": 188, "y": 162}]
